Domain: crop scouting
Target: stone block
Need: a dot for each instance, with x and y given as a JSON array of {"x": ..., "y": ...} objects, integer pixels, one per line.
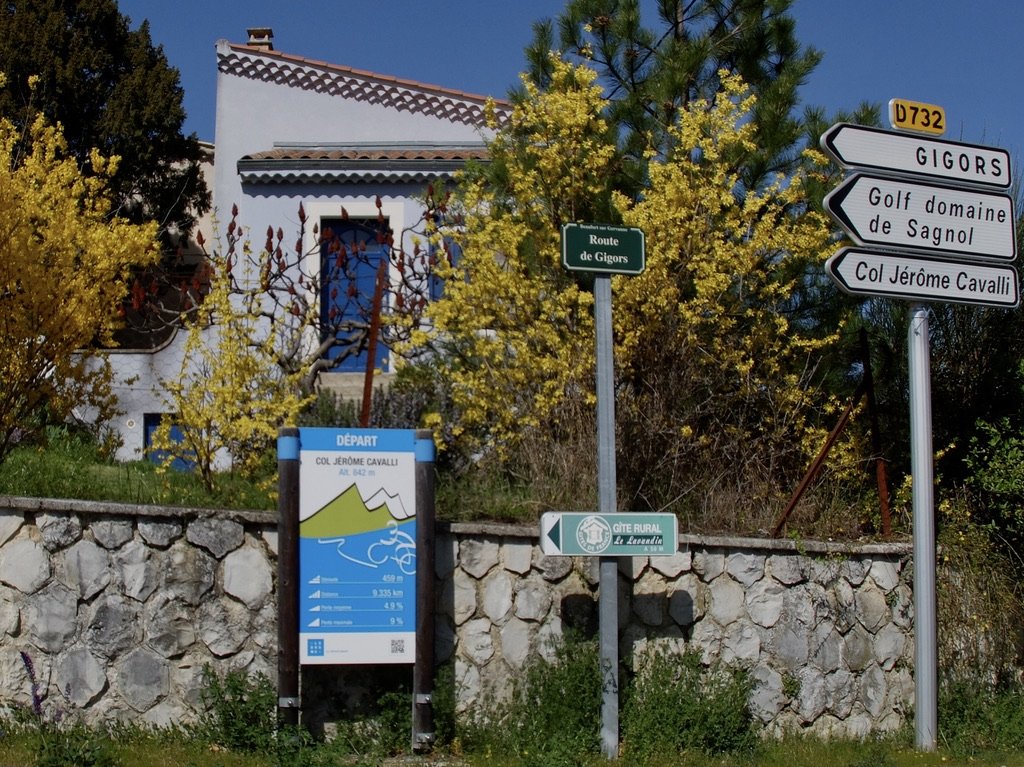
[
  {"x": 10, "y": 523},
  {"x": 58, "y": 531},
  {"x": 223, "y": 626},
  {"x": 86, "y": 569},
  {"x": 112, "y": 533},
  {"x": 160, "y": 533},
  {"x": 553, "y": 569},
  {"x": 709, "y": 565},
  {"x": 789, "y": 643},
  {"x": 746, "y": 568},
  {"x": 873, "y": 690},
  {"x": 517, "y": 642},
  {"x": 650, "y": 607},
  {"x": 858, "y": 650},
  {"x": 767, "y": 697},
  {"x": 674, "y": 565},
  {"x": 478, "y": 557},
  {"x": 517, "y": 557},
  {"x": 890, "y": 642},
  {"x": 25, "y": 565},
  {"x": 841, "y": 689},
  {"x": 189, "y": 572},
  {"x": 872, "y": 610},
  {"x": 497, "y": 597},
  {"x": 826, "y": 648},
  {"x": 169, "y": 627},
  {"x": 813, "y": 697},
  {"x": 114, "y": 627},
  {"x": 464, "y": 597},
  {"x": 741, "y": 644},
  {"x": 726, "y": 601},
  {"x": 476, "y": 643},
  {"x": 533, "y": 600},
  {"x": 218, "y": 536},
  {"x": 10, "y": 615},
  {"x": 885, "y": 574},
  {"x": 248, "y": 576},
  {"x": 787, "y": 569},
  {"x": 138, "y": 570},
  {"x": 765, "y": 600},
  {"x": 81, "y": 676},
  {"x": 143, "y": 678},
  {"x": 270, "y": 538},
  {"x": 52, "y": 617}
]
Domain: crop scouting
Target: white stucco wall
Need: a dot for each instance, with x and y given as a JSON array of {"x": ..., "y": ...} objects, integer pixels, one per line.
[{"x": 255, "y": 114}]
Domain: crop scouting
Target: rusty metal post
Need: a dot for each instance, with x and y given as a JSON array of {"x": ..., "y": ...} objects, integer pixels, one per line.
[{"x": 371, "y": 351}]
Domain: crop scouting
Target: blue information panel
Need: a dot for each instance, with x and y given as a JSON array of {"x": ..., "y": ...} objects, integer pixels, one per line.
[{"x": 357, "y": 546}]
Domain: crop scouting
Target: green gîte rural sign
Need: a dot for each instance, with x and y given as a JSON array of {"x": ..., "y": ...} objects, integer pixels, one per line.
[
  {"x": 623, "y": 534},
  {"x": 601, "y": 248}
]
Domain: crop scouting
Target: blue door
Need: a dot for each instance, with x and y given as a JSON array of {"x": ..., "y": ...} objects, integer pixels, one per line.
[{"x": 351, "y": 252}]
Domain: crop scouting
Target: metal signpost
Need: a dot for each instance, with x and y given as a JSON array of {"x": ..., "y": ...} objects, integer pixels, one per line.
[
  {"x": 864, "y": 272},
  {"x": 636, "y": 534},
  {"x": 355, "y": 560},
  {"x": 858, "y": 146},
  {"x": 900, "y": 213},
  {"x": 605, "y": 250},
  {"x": 926, "y": 242},
  {"x": 357, "y": 546}
]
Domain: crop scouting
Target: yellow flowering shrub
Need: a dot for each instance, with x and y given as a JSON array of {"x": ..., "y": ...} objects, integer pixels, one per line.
[
  {"x": 515, "y": 329},
  {"x": 713, "y": 370},
  {"x": 230, "y": 395},
  {"x": 64, "y": 265},
  {"x": 713, "y": 377}
]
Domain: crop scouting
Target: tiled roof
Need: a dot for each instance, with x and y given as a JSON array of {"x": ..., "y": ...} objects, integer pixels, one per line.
[
  {"x": 355, "y": 163},
  {"x": 260, "y": 63}
]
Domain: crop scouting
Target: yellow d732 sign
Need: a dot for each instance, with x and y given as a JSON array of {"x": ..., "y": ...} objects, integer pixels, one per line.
[{"x": 917, "y": 117}]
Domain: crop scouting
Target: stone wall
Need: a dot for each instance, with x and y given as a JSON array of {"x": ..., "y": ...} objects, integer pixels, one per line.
[
  {"x": 826, "y": 629},
  {"x": 120, "y": 608}
]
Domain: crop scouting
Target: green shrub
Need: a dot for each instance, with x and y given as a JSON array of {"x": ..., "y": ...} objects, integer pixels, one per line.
[
  {"x": 977, "y": 716},
  {"x": 674, "y": 703},
  {"x": 552, "y": 715},
  {"x": 57, "y": 738},
  {"x": 241, "y": 711},
  {"x": 384, "y": 730}
]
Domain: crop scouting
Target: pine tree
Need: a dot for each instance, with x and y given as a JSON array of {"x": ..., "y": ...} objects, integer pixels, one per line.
[
  {"x": 111, "y": 90},
  {"x": 651, "y": 74}
]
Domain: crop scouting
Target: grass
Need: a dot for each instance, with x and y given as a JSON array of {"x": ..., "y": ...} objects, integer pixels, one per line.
[
  {"x": 72, "y": 465},
  {"x": 142, "y": 748}
]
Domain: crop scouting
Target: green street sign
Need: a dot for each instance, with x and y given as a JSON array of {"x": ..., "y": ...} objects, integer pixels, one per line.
[
  {"x": 601, "y": 248},
  {"x": 622, "y": 534}
]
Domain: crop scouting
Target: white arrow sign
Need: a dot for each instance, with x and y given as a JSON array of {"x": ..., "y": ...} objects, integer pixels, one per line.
[
  {"x": 872, "y": 273},
  {"x": 862, "y": 147},
  {"x": 898, "y": 213}
]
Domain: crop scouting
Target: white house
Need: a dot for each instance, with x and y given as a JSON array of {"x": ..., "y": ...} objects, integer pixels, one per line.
[{"x": 291, "y": 130}]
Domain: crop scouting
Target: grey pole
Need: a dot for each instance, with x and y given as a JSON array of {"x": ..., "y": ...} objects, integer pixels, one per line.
[
  {"x": 608, "y": 596},
  {"x": 925, "y": 632}
]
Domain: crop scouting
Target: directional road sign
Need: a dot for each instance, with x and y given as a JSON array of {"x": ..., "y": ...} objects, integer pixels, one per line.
[
  {"x": 901, "y": 213},
  {"x": 876, "y": 273},
  {"x": 859, "y": 146},
  {"x": 601, "y": 248},
  {"x": 622, "y": 534}
]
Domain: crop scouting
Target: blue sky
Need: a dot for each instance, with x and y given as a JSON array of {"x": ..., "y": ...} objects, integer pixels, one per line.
[{"x": 962, "y": 56}]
